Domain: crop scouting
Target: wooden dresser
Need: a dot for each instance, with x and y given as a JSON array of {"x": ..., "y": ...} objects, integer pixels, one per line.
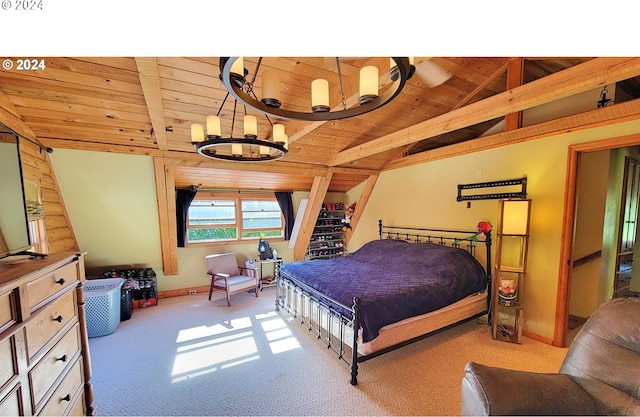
[{"x": 45, "y": 366}]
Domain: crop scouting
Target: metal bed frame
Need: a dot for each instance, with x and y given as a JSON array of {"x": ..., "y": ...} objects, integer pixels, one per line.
[{"x": 330, "y": 326}]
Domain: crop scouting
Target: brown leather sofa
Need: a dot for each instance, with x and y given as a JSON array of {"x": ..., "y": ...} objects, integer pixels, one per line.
[{"x": 600, "y": 374}]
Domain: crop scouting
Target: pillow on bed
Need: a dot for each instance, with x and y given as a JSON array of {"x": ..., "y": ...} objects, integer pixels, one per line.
[{"x": 379, "y": 248}]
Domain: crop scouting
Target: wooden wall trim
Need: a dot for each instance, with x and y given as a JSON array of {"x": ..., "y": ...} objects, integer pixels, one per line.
[
  {"x": 150, "y": 82},
  {"x": 360, "y": 205},
  {"x": 515, "y": 78},
  {"x": 568, "y": 220},
  {"x": 316, "y": 198},
  {"x": 167, "y": 222}
]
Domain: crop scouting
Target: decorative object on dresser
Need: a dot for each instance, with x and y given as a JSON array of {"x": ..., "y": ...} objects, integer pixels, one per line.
[
  {"x": 227, "y": 275},
  {"x": 327, "y": 240},
  {"x": 511, "y": 269},
  {"x": 391, "y": 292},
  {"x": 44, "y": 346}
]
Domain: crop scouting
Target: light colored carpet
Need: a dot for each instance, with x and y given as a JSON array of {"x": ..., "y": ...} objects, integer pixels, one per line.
[{"x": 192, "y": 356}]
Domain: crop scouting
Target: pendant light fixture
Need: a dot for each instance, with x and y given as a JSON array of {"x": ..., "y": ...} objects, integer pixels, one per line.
[{"x": 233, "y": 76}]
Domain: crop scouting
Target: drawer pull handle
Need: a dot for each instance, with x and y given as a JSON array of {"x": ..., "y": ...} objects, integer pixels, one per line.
[
  {"x": 60, "y": 281},
  {"x": 66, "y": 398},
  {"x": 58, "y": 319},
  {"x": 63, "y": 358}
]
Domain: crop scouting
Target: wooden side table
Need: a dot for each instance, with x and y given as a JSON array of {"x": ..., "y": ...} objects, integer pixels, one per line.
[{"x": 268, "y": 281}]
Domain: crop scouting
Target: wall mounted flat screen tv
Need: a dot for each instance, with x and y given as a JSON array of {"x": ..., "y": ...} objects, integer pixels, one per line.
[{"x": 14, "y": 230}]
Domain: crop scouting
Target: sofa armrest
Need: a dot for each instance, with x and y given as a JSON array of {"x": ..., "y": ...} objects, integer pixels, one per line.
[
  {"x": 495, "y": 391},
  {"x": 220, "y": 275}
]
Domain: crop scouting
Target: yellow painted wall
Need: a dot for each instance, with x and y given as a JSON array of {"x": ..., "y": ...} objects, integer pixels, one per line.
[
  {"x": 425, "y": 195},
  {"x": 112, "y": 205},
  {"x": 111, "y": 200},
  {"x": 591, "y": 195}
]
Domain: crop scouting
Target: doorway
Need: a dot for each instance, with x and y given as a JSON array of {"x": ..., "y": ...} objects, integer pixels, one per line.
[
  {"x": 627, "y": 228},
  {"x": 602, "y": 289}
]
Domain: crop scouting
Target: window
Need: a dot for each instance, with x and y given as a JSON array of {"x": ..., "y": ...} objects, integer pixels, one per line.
[
  {"x": 38, "y": 236},
  {"x": 216, "y": 217}
]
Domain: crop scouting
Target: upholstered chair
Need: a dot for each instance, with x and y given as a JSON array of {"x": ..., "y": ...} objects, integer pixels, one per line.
[
  {"x": 227, "y": 275},
  {"x": 600, "y": 374}
]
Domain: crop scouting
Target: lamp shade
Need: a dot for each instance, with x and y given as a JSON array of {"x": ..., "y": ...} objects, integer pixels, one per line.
[
  {"x": 213, "y": 126},
  {"x": 250, "y": 126},
  {"x": 515, "y": 217},
  {"x": 197, "y": 133},
  {"x": 271, "y": 85},
  {"x": 320, "y": 94},
  {"x": 238, "y": 67},
  {"x": 369, "y": 81}
]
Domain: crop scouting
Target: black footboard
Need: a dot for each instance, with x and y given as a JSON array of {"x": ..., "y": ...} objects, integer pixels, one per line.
[{"x": 321, "y": 316}]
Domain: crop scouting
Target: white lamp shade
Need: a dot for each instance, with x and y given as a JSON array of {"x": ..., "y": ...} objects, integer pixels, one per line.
[
  {"x": 515, "y": 217},
  {"x": 250, "y": 125},
  {"x": 264, "y": 150},
  {"x": 236, "y": 149},
  {"x": 278, "y": 132},
  {"x": 369, "y": 81},
  {"x": 238, "y": 66},
  {"x": 213, "y": 126},
  {"x": 270, "y": 85},
  {"x": 285, "y": 141},
  {"x": 319, "y": 93},
  {"x": 197, "y": 133}
]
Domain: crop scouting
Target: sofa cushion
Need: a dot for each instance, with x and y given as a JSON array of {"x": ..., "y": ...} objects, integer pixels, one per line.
[{"x": 488, "y": 390}]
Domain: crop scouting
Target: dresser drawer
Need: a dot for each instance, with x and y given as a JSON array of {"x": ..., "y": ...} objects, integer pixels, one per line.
[
  {"x": 65, "y": 393},
  {"x": 7, "y": 315},
  {"x": 45, "y": 373},
  {"x": 46, "y": 323},
  {"x": 10, "y": 405},
  {"x": 7, "y": 368},
  {"x": 39, "y": 290},
  {"x": 78, "y": 408}
]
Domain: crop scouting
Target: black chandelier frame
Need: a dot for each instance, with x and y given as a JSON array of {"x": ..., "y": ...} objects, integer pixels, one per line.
[
  {"x": 243, "y": 92},
  {"x": 208, "y": 147}
]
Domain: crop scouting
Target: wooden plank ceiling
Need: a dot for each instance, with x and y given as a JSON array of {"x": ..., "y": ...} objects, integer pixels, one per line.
[{"x": 146, "y": 106}]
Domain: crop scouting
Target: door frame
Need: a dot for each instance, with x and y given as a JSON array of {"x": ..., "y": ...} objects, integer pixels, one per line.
[{"x": 568, "y": 225}]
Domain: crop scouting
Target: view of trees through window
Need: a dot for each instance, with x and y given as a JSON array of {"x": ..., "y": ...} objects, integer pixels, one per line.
[{"x": 238, "y": 218}]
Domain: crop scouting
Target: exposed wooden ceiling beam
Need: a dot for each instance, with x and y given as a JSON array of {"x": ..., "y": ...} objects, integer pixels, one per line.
[
  {"x": 622, "y": 112},
  {"x": 316, "y": 198},
  {"x": 580, "y": 78},
  {"x": 468, "y": 98},
  {"x": 150, "y": 82},
  {"x": 277, "y": 167},
  {"x": 10, "y": 117},
  {"x": 349, "y": 84},
  {"x": 98, "y": 147}
]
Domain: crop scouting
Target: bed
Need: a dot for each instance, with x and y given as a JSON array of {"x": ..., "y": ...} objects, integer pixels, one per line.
[{"x": 408, "y": 284}]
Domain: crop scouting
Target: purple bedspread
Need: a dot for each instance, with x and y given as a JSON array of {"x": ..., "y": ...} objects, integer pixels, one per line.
[{"x": 394, "y": 279}]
